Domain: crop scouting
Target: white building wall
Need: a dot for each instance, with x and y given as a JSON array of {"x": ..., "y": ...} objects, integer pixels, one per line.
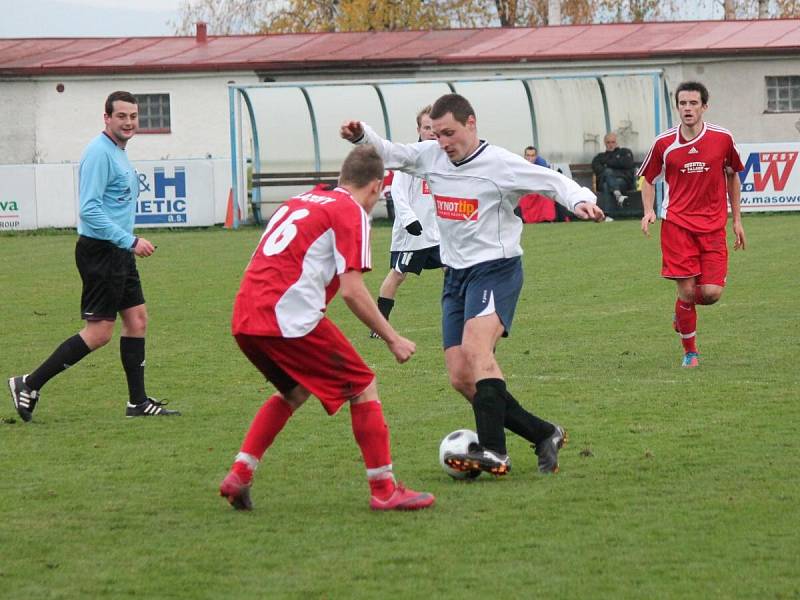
[
  {"x": 738, "y": 96},
  {"x": 18, "y": 114},
  {"x": 41, "y": 124}
]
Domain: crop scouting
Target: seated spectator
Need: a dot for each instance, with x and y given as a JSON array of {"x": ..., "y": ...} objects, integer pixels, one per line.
[
  {"x": 535, "y": 208},
  {"x": 531, "y": 154},
  {"x": 615, "y": 175}
]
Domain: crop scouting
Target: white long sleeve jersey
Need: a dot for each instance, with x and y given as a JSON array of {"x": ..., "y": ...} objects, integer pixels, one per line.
[
  {"x": 413, "y": 202},
  {"x": 475, "y": 197}
]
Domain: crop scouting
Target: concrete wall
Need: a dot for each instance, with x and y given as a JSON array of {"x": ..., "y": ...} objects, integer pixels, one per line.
[
  {"x": 738, "y": 95},
  {"x": 40, "y": 124},
  {"x": 18, "y": 114}
]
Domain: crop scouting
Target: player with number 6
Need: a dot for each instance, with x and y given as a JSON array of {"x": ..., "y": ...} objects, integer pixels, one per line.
[{"x": 315, "y": 244}]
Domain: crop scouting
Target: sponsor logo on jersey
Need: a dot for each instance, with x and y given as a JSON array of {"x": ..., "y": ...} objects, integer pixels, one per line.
[
  {"x": 456, "y": 209},
  {"x": 694, "y": 151},
  {"x": 425, "y": 189},
  {"x": 695, "y": 167},
  {"x": 763, "y": 169},
  {"x": 168, "y": 204}
]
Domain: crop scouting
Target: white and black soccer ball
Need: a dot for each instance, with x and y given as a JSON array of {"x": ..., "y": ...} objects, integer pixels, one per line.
[{"x": 460, "y": 441}]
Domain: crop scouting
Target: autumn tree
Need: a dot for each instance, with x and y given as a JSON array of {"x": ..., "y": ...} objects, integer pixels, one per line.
[{"x": 293, "y": 16}]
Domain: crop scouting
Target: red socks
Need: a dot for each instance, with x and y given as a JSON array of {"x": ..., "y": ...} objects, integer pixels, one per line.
[
  {"x": 686, "y": 324},
  {"x": 369, "y": 429},
  {"x": 372, "y": 436},
  {"x": 268, "y": 422}
]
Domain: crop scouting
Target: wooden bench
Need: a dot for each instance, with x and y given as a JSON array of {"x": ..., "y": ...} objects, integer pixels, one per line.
[
  {"x": 310, "y": 178},
  {"x": 304, "y": 178}
]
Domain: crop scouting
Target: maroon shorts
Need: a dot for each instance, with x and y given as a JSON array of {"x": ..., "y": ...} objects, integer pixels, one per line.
[
  {"x": 687, "y": 253},
  {"x": 323, "y": 361}
]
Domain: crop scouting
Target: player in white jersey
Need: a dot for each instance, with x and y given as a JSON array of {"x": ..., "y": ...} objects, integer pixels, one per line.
[
  {"x": 415, "y": 235},
  {"x": 476, "y": 187}
]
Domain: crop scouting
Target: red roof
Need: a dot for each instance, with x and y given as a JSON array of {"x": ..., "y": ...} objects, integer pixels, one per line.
[{"x": 54, "y": 56}]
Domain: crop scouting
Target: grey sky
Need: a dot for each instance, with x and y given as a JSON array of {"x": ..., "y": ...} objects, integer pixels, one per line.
[{"x": 86, "y": 18}]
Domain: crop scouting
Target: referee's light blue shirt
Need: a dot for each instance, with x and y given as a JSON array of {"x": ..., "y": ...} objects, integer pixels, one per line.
[{"x": 108, "y": 188}]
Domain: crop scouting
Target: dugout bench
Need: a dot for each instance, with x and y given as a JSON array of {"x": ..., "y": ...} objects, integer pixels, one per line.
[
  {"x": 630, "y": 209},
  {"x": 304, "y": 178}
]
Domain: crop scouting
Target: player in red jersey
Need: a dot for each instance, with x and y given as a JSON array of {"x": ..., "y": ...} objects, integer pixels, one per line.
[
  {"x": 699, "y": 163},
  {"x": 314, "y": 244}
]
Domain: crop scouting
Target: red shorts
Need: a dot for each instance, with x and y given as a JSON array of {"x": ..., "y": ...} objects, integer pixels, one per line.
[
  {"x": 687, "y": 253},
  {"x": 324, "y": 362}
]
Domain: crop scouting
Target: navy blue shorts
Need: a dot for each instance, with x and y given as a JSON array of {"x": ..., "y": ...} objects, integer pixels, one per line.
[
  {"x": 413, "y": 261},
  {"x": 488, "y": 287}
]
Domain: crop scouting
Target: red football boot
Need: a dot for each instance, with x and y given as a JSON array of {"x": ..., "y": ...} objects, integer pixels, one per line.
[
  {"x": 236, "y": 492},
  {"x": 403, "y": 499}
]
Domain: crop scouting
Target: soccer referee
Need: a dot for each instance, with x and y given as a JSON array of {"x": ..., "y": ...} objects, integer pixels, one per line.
[{"x": 105, "y": 256}]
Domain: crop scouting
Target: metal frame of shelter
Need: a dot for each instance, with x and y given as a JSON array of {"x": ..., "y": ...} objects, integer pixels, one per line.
[{"x": 239, "y": 94}]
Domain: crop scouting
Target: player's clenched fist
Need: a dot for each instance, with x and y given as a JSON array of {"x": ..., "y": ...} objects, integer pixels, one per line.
[{"x": 351, "y": 130}]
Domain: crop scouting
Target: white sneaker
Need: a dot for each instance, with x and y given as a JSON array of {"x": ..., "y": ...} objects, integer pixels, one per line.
[
  {"x": 620, "y": 198},
  {"x": 608, "y": 220}
]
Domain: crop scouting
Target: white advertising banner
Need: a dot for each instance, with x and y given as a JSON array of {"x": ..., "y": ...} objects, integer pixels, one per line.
[
  {"x": 17, "y": 197},
  {"x": 771, "y": 177},
  {"x": 55, "y": 195},
  {"x": 172, "y": 193},
  {"x": 175, "y": 193}
]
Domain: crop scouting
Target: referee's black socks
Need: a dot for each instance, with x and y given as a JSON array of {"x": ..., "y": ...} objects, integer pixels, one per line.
[
  {"x": 131, "y": 352},
  {"x": 71, "y": 351}
]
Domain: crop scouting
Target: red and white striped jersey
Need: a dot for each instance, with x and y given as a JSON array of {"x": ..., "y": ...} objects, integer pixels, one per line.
[
  {"x": 293, "y": 274},
  {"x": 696, "y": 190}
]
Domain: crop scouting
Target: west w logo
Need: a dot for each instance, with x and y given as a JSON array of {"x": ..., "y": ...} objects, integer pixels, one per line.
[{"x": 768, "y": 168}]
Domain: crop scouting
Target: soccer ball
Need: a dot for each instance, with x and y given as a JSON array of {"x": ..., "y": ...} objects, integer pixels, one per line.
[{"x": 458, "y": 442}]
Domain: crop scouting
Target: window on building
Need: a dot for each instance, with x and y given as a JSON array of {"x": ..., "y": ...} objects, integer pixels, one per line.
[
  {"x": 783, "y": 94},
  {"x": 154, "y": 114}
]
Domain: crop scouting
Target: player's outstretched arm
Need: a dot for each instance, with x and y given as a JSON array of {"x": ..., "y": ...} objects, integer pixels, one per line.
[
  {"x": 648, "y": 202},
  {"x": 358, "y": 299}
]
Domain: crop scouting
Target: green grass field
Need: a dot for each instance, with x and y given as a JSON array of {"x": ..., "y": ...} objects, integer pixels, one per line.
[{"x": 675, "y": 484}]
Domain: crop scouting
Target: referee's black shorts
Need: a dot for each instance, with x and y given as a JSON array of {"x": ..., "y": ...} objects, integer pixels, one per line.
[{"x": 110, "y": 279}]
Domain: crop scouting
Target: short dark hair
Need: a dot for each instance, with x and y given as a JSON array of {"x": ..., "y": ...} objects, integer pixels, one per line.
[
  {"x": 362, "y": 166},
  {"x": 122, "y": 96},
  {"x": 692, "y": 86},
  {"x": 455, "y": 104},
  {"x": 530, "y": 148}
]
